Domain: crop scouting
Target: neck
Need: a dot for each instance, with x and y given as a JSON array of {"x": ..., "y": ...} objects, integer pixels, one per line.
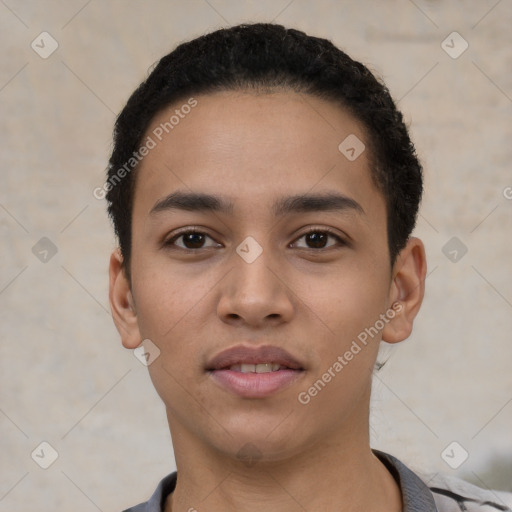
[{"x": 339, "y": 473}]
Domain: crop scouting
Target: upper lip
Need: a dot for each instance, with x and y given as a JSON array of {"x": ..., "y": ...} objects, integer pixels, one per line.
[{"x": 241, "y": 354}]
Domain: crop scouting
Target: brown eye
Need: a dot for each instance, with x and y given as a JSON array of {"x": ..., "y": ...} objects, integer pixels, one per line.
[
  {"x": 319, "y": 239},
  {"x": 193, "y": 240},
  {"x": 190, "y": 240},
  {"x": 316, "y": 240}
]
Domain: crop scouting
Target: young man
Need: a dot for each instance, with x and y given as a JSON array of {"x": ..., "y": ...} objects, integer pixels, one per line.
[{"x": 263, "y": 189}]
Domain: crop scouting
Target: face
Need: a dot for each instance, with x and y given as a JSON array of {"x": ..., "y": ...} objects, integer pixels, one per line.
[{"x": 256, "y": 241}]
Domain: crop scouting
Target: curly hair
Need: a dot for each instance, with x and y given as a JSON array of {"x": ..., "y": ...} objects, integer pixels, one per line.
[{"x": 263, "y": 57}]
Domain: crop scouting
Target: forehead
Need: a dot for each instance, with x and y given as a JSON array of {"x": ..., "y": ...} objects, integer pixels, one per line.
[{"x": 253, "y": 148}]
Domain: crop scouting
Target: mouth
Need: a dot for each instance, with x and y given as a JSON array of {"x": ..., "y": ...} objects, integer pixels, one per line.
[
  {"x": 257, "y": 368},
  {"x": 254, "y": 372}
]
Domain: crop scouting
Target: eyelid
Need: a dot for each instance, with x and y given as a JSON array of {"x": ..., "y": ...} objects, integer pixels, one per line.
[
  {"x": 342, "y": 240},
  {"x": 169, "y": 241}
]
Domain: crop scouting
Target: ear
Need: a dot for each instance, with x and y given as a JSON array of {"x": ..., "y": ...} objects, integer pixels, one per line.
[
  {"x": 406, "y": 291},
  {"x": 121, "y": 302}
]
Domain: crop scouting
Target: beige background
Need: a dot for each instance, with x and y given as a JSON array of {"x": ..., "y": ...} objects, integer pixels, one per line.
[{"x": 65, "y": 378}]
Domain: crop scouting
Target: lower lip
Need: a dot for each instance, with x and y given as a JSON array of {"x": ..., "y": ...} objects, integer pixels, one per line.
[{"x": 255, "y": 385}]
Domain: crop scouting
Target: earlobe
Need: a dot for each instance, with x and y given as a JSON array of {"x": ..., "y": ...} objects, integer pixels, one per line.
[
  {"x": 408, "y": 289},
  {"x": 122, "y": 304}
]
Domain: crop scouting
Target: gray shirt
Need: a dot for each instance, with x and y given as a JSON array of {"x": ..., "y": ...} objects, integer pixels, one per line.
[{"x": 435, "y": 493}]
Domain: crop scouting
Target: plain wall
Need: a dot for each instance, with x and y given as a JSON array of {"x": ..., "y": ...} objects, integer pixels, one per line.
[{"x": 65, "y": 378}]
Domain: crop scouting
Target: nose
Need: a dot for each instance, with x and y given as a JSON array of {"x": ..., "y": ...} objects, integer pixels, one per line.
[{"x": 255, "y": 294}]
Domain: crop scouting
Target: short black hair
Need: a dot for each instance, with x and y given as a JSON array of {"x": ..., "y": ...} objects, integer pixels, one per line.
[{"x": 265, "y": 57}]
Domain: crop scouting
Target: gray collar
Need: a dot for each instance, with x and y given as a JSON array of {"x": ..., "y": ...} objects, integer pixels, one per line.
[{"x": 416, "y": 495}]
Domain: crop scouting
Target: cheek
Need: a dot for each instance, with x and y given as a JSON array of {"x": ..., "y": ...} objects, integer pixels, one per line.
[
  {"x": 169, "y": 305},
  {"x": 346, "y": 301},
  {"x": 345, "y": 343},
  {"x": 166, "y": 300}
]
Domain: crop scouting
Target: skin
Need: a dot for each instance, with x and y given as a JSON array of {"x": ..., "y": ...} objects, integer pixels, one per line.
[{"x": 311, "y": 300}]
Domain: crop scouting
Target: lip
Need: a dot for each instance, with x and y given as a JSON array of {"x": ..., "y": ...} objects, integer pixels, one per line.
[
  {"x": 254, "y": 385},
  {"x": 253, "y": 355}
]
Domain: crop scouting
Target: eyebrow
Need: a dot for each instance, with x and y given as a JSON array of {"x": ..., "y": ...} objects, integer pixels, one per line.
[{"x": 200, "y": 202}]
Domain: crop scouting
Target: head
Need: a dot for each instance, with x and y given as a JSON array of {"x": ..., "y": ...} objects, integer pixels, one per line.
[
  {"x": 262, "y": 58},
  {"x": 239, "y": 137}
]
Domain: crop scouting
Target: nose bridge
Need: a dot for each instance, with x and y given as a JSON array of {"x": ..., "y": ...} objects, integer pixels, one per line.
[
  {"x": 253, "y": 277},
  {"x": 254, "y": 290}
]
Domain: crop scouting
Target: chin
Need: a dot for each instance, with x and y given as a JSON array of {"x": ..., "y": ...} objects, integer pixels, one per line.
[{"x": 262, "y": 441}]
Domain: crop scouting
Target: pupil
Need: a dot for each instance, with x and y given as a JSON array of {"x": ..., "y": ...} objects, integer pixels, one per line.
[
  {"x": 317, "y": 239},
  {"x": 194, "y": 239}
]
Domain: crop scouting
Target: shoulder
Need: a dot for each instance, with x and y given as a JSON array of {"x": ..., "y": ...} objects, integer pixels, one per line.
[
  {"x": 454, "y": 494},
  {"x": 443, "y": 493},
  {"x": 157, "y": 500}
]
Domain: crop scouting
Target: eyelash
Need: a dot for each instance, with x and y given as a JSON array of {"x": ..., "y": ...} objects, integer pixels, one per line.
[
  {"x": 341, "y": 242},
  {"x": 170, "y": 243}
]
